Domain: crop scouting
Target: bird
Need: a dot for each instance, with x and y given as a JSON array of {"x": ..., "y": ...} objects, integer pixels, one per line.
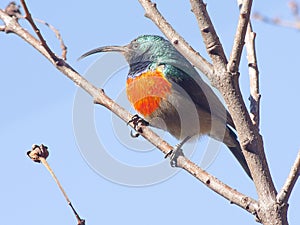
[{"x": 168, "y": 92}]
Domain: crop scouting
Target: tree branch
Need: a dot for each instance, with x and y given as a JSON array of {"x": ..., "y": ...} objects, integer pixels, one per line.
[
  {"x": 100, "y": 98},
  {"x": 211, "y": 40},
  {"x": 294, "y": 7},
  {"x": 253, "y": 73},
  {"x": 226, "y": 81},
  {"x": 178, "y": 41},
  {"x": 58, "y": 36},
  {"x": 39, "y": 154},
  {"x": 228, "y": 85},
  {"x": 29, "y": 18},
  {"x": 253, "y": 76},
  {"x": 285, "y": 192},
  {"x": 277, "y": 21},
  {"x": 239, "y": 40},
  {"x": 220, "y": 188},
  {"x": 251, "y": 141}
]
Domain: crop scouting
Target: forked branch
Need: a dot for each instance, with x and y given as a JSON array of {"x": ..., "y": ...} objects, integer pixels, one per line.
[
  {"x": 58, "y": 36},
  {"x": 225, "y": 78},
  {"x": 29, "y": 18}
]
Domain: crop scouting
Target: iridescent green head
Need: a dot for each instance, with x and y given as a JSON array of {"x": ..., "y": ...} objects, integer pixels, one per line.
[{"x": 144, "y": 48}]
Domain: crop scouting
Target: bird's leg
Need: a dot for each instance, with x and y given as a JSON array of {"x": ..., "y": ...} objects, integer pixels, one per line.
[
  {"x": 137, "y": 121},
  {"x": 176, "y": 152}
]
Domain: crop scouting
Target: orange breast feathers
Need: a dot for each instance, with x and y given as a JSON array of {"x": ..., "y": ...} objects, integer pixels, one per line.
[{"x": 146, "y": 91}]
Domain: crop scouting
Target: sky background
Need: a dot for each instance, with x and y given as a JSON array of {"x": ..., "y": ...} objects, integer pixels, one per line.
[{"x": 40, "y": 105}]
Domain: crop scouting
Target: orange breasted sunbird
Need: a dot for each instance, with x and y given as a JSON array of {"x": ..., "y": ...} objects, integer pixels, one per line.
[{"x": 168, "y": 92}]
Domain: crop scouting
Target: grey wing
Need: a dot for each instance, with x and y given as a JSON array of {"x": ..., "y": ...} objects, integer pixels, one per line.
[{"x": 201, "y": 94}]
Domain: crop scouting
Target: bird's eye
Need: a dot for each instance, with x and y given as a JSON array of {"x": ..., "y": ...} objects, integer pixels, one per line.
[{"x": 135, "y": 45}]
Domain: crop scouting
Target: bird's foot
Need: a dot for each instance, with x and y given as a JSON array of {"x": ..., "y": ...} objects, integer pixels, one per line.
[
  {"x": 176, "y": 152},
  {"x": 137, "y": 122}
]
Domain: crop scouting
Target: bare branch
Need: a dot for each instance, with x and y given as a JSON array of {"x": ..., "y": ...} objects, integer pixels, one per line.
[
  {"x": 37, "y": 31},
  {"x": 12, "y": 10},
  {"x": 39, "y": 154},
  {"x": 294, "y": 7},
  {"x": 285, "y": 192},
  {"x": 58, "y": 36},
  {"x": 217, "y": 186},
  {"x": 227, "y": 83},
  {"x": 254, "y": 77},
  {"x": 100, "y": 98},
  {"x": 253, "y": 73},
  {"x": 251, "y": 141},
  {"x": 178, "y": 41},
  {"x": 239, "y": 40},
  {"x": 224, "y": 80},
  {"x": 277, "y": 21},
  {"x": 210, "y": 37}
]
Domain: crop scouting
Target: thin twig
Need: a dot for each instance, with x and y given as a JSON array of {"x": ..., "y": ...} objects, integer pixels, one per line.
[
  {"x": 239, "y": 40},
  {"x": 253, "y": 76},
  {"x": 277, "y": 21},
  {"x": 100, "y": 98},
  {"x": 293, "y": 6},
  {"x": 285, "y": 192},
  {"x": 253, "y": 73},
  {"x": 178, "y": 41},
  {"x": 39, "y": 154},
  {"x": 58, "y": 36},
  {"x": 46, "y": 164},
  {"x": 43, "y": 42}
]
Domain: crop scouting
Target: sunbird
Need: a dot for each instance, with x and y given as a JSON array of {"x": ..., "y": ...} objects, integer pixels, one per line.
[{"x": 164, "y": 87}]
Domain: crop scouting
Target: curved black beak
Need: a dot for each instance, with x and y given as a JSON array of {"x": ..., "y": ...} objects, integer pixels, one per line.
[{"x": 122, "y": 49}]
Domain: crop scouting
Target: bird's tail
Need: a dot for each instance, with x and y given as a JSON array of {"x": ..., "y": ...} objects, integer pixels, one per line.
[{"x": 238, "y": 154}]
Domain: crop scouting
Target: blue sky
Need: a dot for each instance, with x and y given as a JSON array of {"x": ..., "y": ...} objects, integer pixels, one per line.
[{"x": 40, "y": 105}]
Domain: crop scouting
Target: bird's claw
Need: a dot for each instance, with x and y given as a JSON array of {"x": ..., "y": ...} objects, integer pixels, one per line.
[
  {"x": 137, "y": 122},
  {"x": 174, "y": 155},
  {"x": 134, "y": 134},
  {"x": 176, "y": 152}
]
